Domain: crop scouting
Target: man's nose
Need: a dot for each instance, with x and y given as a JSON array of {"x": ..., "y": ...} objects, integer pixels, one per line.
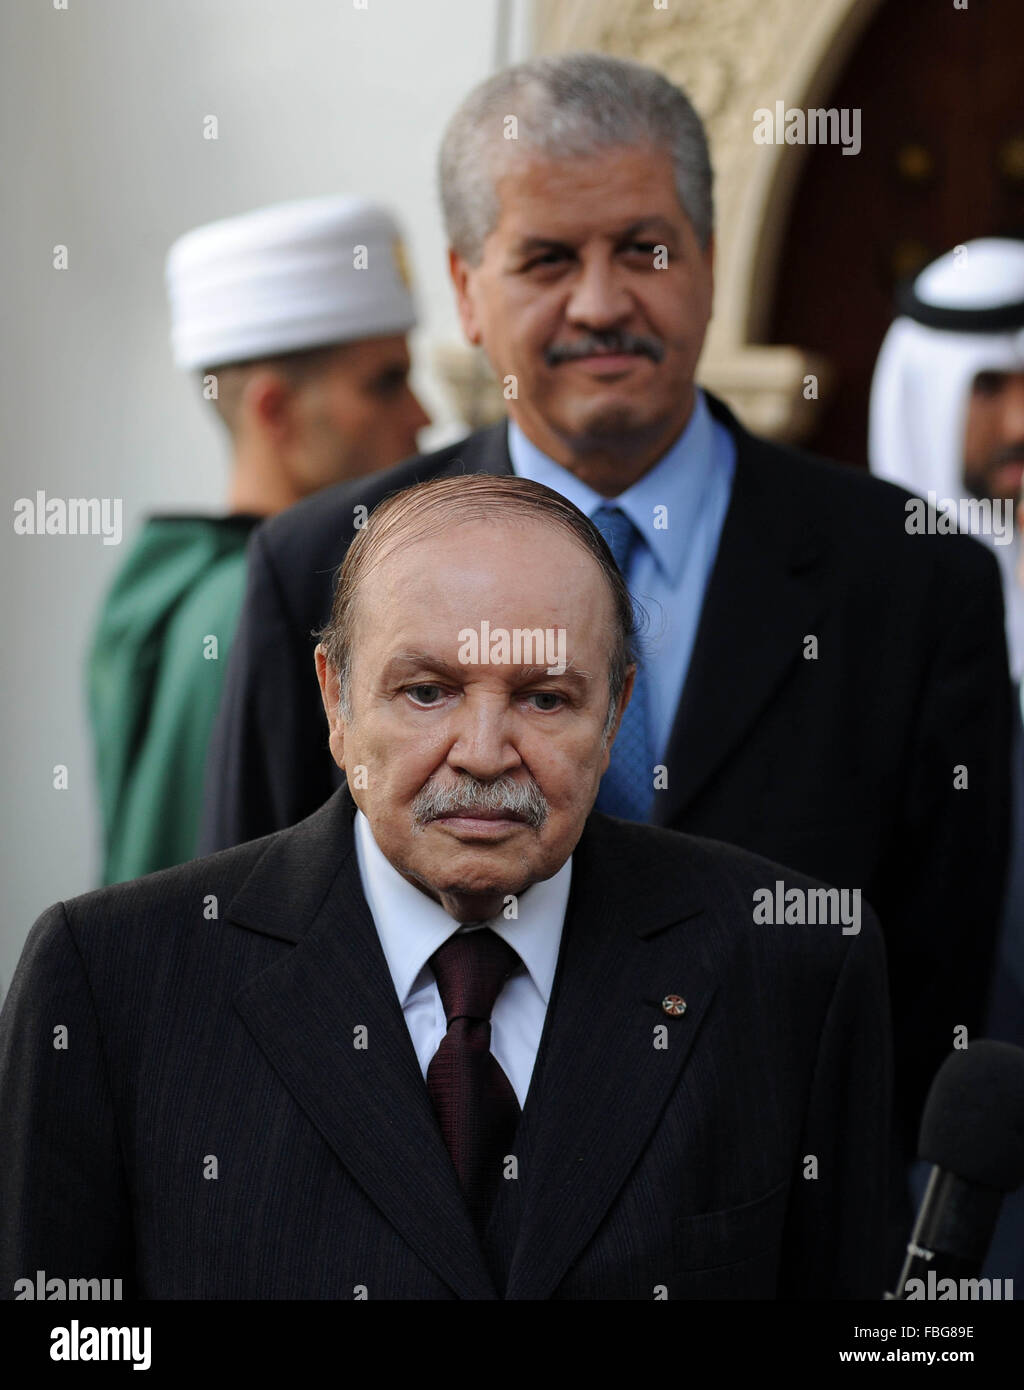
[
  {"x": 483, "y": 744},
  {"x": 599, "y": 298},
  {"x": 1013, "y": 409},
  {"x": 416, "y": 416}
]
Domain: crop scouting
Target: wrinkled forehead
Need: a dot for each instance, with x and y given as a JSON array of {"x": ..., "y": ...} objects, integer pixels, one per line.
[
  {"x": 513, "y": 570},
  {"x": 611, "y": 186}
]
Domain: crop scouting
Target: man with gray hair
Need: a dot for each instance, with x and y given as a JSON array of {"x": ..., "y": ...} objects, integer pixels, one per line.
[
  {"x": 455, "y": 1035},
  {"x": 816, "y": 679}
]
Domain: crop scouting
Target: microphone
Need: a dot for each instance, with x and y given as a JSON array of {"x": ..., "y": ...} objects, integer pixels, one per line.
[{"x": 972, "y": 1132}]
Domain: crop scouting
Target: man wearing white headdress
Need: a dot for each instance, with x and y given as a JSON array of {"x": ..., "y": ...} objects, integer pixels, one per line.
[
  {"x": 947, "y": 422},
  {"x": 947, "y": 402},
  {"x": 294, "y": 319}
]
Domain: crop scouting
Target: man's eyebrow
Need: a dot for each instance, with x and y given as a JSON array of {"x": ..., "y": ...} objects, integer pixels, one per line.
[
  {"x": 572, "y": 675},
  {"x": 527, "y": 244},
  {"x": 421, "y": 660},
  {"x": 418, "y": 660},
  {"x": 655, "y": 222}
]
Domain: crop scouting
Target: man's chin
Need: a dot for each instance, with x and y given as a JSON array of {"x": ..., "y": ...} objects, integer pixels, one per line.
[
  {"x": 1006, "y": 482},
  {"x": 614, "y": 419},
  {"x": 486, "y": 887},
  {"x": 457, "y": 862}
]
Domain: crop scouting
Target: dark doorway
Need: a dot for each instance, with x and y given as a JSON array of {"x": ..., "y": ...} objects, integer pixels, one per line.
[{"x": 941, "y": 92}]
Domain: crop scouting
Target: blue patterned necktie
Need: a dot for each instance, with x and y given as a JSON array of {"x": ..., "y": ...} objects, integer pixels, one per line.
[{"x": 627, "y": 787}]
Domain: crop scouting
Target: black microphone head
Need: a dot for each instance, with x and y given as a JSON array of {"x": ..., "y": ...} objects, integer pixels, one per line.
[{"x": 973, "y": 1123}]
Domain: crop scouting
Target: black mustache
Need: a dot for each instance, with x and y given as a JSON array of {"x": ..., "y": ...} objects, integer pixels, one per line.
[{"x": 593, "y": 343}]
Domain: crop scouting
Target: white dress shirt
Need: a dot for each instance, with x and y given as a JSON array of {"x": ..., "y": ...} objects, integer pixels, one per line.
[{"x": 412, "y": 926}]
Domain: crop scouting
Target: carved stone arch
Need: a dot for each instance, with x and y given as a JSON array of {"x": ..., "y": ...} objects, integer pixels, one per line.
[{"x": 733, "y": 57}]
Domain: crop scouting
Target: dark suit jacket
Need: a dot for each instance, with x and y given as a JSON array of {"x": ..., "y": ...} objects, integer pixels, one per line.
[
  {"x": 841, "y": 766},
  {"x": 684, "y": 1166}
]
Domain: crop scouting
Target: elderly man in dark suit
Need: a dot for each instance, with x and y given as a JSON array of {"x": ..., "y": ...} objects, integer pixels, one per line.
[
  {"x": 455, "y": 1035},
  {"x": 822, "y": 687}
]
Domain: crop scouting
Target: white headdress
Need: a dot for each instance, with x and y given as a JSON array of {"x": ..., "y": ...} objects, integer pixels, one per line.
[{"x": 963, "y": 315}]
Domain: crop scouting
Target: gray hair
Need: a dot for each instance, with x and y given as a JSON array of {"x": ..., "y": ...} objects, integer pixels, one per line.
[{"x": 570, "y": 104}]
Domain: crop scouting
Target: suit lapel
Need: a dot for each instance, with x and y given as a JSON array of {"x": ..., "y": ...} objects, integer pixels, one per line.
[
  {"x": 599, "y": 1082},
  {"x": 369, "y": 1102},
  {"x": 763, "y": 597}
]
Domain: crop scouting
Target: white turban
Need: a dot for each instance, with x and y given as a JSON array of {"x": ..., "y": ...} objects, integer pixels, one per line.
[
  {"x": 285, "y": 278},
  {"x": 963, "y": 315}
]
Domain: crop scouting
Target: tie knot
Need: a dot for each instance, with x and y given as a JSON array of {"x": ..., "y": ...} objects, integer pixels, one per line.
[
  {"x": 619, "y": 532},
  {"x": 470, "y": 969}
]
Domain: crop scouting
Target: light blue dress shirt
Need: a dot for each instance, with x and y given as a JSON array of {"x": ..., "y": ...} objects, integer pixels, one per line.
[
  {"x": 412, "y": 926},
  {"x": 678, "y": 507}
]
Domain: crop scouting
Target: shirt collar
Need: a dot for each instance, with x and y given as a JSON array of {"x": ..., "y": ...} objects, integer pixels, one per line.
[
  {"x": 412, "y": 926},
  {"x": 677, "y": 482}
]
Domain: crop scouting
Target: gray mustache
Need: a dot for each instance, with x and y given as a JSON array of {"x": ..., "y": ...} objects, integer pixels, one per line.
[
  {"x": 468, "y": 795},
  {"x": 613, "y": 341}
]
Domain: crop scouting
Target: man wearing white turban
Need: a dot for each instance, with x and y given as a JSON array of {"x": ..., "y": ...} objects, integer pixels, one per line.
[
  {"x": 294, "y": 317},
  {"x": 947, "y": 422}
]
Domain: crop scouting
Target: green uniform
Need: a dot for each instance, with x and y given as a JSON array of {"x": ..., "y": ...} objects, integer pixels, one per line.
[{"x": 154, "y": 679}]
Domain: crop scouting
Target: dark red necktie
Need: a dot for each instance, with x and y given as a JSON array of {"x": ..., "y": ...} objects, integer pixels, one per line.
[{"x": 473, "y": 1098}]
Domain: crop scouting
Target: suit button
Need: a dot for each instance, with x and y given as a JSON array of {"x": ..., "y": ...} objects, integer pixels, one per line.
[{"x": 673, "y": 1004}]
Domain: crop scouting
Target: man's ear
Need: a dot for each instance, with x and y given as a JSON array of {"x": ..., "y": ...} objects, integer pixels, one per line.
[
  {"x": 268, "y": 403},
  {"x": 329, "y": 692},
  {"x": 461, "y": 274},
  {"x": 624, "y": 698}
]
